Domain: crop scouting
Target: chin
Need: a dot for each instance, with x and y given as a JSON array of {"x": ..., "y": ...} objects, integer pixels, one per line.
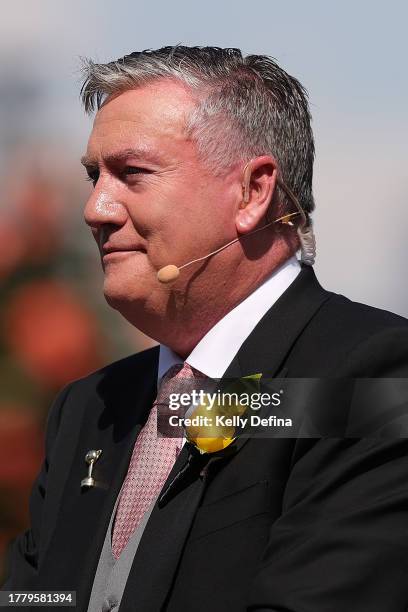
[
  {"x": 132, "y": 298},
  {"x": 125, "y": 284},
  {"x": 119, "y": 297}
]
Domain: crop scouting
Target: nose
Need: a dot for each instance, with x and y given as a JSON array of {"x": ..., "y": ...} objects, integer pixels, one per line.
[{"x": 103, "y": 208}]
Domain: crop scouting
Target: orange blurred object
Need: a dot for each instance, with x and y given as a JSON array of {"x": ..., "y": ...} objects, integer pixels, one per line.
[{"x": 52, "y": 333}]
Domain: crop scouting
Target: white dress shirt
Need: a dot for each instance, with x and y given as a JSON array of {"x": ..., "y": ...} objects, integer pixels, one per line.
[{"x": 215, "y": 351}]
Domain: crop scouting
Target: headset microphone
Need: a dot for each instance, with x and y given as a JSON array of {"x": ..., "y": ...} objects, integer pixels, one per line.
[{"x": 170, "y": 273}]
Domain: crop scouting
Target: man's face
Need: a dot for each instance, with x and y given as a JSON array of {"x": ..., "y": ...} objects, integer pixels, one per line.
[{"x": 154, "y": 202}]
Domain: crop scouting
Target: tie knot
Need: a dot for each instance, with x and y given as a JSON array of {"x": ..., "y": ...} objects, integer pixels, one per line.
[
  {"x": 181, "y": 371},
  {"x": 180, "y": 381}
]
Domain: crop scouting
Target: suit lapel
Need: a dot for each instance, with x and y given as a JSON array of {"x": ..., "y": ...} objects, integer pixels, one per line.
[
  {"x": 111, "y": 423},
  {"x": 267, "y": 347}
]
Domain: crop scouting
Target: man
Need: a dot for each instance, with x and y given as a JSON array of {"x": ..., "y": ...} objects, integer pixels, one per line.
[{"x": 192, "y": 148}]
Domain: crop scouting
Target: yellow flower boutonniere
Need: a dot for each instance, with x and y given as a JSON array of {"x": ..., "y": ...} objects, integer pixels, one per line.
[{"x": 216, "y": 422}]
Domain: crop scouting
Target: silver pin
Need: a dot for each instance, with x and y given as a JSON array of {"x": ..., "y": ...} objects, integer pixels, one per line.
[{"x": 90, "y": 458}]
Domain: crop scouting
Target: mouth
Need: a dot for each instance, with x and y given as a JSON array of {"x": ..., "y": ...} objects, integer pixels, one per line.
[{"x": 112, "y": 254}]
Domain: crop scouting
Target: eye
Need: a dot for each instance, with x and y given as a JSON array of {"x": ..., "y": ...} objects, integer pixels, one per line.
[
  {"x": 133, "y": 170},
  {"x": 93, "y": 176}
]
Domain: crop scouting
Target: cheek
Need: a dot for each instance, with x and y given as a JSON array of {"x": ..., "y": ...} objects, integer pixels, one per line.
[
  {"x": 182, "y": 238},
  {"x": 181, "y": 222},
  {"x": 158, "y": 215},
  {"x": 150, "y": 209}
]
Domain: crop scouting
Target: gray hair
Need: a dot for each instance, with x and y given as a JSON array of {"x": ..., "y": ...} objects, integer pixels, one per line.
[{"x": 245, "y": 106}]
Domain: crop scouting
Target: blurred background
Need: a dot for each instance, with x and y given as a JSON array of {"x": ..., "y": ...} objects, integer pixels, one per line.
[{"x": 55, "y": 325}]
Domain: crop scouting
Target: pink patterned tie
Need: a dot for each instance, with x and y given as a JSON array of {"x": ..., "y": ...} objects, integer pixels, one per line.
[{"x": 152, "y": 459}]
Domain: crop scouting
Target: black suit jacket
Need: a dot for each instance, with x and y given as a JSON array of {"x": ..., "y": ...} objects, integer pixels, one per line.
[{"x": 285, "y": 525}]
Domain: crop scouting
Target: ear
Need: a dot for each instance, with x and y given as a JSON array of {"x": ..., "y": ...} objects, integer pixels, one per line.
[{"x": 258, "y": 187}]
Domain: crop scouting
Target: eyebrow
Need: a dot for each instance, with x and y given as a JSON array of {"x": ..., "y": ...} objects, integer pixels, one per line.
[{"x": 120, "y": 156}]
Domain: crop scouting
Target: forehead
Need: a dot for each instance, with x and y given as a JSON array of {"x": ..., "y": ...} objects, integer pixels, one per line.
[{"x": 152, "y": 115}]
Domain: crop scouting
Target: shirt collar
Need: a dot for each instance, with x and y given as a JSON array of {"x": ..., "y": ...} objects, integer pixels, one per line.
[{"x": 215, "y": 351}]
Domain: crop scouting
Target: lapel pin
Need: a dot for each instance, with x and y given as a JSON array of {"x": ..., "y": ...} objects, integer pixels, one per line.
[{"x": 90, "y": 458}]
